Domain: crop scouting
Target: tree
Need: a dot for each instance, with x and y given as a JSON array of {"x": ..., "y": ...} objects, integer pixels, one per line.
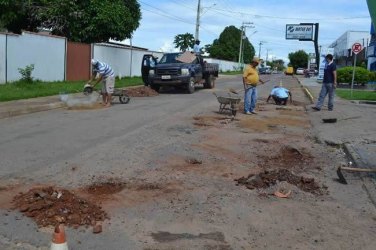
[
  {"x": 278, "y": 64},
  {"x": 227, "y": 46},
  {"x": 184, "y": 41},
  {"x": 18, "y": 15},
  {"x": 298, "y": 59},
  {"x": 80, "y": 21}
]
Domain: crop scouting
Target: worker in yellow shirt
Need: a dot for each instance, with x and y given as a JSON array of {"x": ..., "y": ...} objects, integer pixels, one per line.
[{"x": 250, "y": 81}]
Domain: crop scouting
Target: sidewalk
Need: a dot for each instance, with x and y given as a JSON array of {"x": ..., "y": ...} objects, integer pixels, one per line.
[
  {"x": 20, "y": 107},
  {"x": 355, "y": 129}
]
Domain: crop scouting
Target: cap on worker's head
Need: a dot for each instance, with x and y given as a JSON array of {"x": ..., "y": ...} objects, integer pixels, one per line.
[
  {"x": 256, "y": 60},
  {"x": 94, "y": 61},
  {"x": 197, "y": 41}
]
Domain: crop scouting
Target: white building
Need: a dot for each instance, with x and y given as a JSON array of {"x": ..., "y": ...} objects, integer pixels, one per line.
[{"x": 342, "y": 46}]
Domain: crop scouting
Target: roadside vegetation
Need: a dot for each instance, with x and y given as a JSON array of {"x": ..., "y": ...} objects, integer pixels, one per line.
[
  {"x": 365, "y": 95},
  {"x": 26, "y": 89}
]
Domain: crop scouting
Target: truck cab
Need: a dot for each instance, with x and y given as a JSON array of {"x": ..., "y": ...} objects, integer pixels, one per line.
[{"x": 180, "y": 69}]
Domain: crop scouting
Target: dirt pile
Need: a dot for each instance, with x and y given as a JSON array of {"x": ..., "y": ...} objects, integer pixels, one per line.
[
  {"x": 142, "y": 91},
  {"x": 270, "y": 178},
  {"x": 49, "y": 206},
  {"x": 288, "y": 157}
]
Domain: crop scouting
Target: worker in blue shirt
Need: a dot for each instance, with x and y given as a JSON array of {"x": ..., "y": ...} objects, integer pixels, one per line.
[{"x": 280, "y": 95}]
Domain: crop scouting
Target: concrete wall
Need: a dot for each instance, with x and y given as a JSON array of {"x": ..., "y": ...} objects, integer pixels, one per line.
[
  {"x": 47, "y": 53},
  {"x": 224, "y": 65},
  {"x": 120, "y": 58}
]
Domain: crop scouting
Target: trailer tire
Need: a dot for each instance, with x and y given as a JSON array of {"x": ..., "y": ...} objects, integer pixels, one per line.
[
  {"x": 124, "y": 99},
  {"x": 191, "y": 85}
]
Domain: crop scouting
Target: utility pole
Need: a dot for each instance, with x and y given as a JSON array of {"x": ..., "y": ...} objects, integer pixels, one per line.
[
  {"x": 261, "y": 43},
  {"x": 198, "y": 20},
  {"x": 242, "y": 35}
]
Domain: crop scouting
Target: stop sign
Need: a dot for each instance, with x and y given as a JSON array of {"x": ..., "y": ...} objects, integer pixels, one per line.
[{"x": 356, "y": 48}]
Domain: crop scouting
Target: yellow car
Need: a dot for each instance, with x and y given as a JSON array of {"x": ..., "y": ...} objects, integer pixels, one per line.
[{"x": 289, "y": 71}]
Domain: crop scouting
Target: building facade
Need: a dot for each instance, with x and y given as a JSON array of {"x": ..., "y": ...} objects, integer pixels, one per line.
[{"x": 342, "y": 47}]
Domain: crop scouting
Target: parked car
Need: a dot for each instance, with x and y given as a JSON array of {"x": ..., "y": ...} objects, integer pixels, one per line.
[
  {"x": 265, "y": 70},
  {"x": 300, "y": 71}
]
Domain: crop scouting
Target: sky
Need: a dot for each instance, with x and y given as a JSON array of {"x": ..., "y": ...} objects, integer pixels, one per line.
[{"x": 162, "y": 20}]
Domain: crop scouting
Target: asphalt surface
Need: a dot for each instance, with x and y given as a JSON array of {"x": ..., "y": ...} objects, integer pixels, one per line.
[
  {"x": 357, "y": 131},
  {"x": 354, "y": 130}
]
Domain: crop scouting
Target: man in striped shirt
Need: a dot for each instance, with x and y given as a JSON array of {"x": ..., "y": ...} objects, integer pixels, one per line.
[{"x": 105, "y": 75}]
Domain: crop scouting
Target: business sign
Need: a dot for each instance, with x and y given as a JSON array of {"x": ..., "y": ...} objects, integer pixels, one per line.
[{"x": 299, "y": 31}]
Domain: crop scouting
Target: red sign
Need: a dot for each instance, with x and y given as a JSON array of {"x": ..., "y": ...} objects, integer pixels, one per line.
[{"x": 356, "y": 48}]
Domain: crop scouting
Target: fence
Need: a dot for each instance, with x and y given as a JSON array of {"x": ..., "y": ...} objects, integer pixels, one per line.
[{"x": 56, "y": 59}]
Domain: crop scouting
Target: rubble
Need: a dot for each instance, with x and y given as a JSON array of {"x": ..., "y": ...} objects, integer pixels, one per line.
[
  {"x": 48, "y": 206},
  {"x": 269, "y": 178}
]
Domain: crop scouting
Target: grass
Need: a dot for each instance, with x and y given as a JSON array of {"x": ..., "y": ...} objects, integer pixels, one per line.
[
  {"x": 231, "y": 73},
  {"x": 24, "y": 90},
  {"x": 357, "y": 94}
]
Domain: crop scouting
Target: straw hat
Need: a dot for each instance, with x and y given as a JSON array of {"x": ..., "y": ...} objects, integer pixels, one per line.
[{"x": 256, "y": 59}]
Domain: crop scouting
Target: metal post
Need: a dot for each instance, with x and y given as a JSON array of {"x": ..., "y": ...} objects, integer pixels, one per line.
[
  {"x": 353, "y": 76},
  {"x": 259, "y": 49},
  {"x": 241, "y": 43},
  {"x": 130, "y": 69},
  {"x": 198, "y": 20}
]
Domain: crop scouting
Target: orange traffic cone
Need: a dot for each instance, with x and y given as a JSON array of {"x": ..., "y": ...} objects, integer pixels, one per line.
[{"x": 59, "y": 241}]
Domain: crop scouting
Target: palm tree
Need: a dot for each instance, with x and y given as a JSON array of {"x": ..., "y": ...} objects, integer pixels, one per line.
[{"x": 184, "y": 41}]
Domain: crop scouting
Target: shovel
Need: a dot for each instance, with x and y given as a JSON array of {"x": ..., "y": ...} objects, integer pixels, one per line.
[
  {"x": 334, "y": 120},
  {"x": 238, "y": 91},
  {"x": 342, "y": 178}
]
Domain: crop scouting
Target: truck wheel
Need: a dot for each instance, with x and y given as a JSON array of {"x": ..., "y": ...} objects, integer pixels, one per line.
[
  {"x": 209, "y": 82},
  {"x": 191, "y": 85},
  {"x": 155, "y": 87}
]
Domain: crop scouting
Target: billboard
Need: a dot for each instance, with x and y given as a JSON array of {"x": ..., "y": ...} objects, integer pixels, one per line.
[{"x": 299, "y": 31}]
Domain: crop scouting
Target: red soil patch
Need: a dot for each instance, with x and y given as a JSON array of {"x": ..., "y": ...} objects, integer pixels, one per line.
[
  {"x": 49, "y": 206},
  {"x": 142, "y": 91}
]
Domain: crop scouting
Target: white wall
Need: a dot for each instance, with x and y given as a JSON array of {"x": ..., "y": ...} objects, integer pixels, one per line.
[
  {"x": 3, "y": 53},
  {"x": 120, "y": 58},
  {"x": 47, "y": 53},
  {"x": 224, "y": 65}
]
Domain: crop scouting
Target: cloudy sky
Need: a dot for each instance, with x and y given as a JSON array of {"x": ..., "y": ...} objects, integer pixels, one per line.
[{"x": 162, "y": 20}]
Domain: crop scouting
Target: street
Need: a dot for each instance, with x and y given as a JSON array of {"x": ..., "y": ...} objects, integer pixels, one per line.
[{"x": 178, "y": 163}]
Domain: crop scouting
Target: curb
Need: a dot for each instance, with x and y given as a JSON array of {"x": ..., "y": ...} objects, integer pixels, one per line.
[
  {"x": 306, "y": 92},
  {"x": 28, "y": 110},
  {"x": 368, "y": 184}
]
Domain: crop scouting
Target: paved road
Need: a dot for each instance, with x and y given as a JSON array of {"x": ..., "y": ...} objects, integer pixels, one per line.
[{"x": 146, "y": 143}]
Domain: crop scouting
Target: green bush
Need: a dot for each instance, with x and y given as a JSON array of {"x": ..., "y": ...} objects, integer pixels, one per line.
[
  {"x": 26, "y": 73},
  {"x": 344, "y": 75},
  {"x": 372, "y": 76}
]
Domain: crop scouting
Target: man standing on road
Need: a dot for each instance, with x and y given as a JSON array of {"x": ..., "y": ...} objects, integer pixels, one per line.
[
  {"x": 329, "y": 84},
  {"x": 107, "y": 77},
  {"x": 280, "y": 95},
  {"x": 250, "y": 81}
]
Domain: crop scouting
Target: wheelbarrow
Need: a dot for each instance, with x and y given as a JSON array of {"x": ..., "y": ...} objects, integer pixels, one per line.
[
  {"x": 228, "y": 103},
  {"x": 123, "y": 97}
]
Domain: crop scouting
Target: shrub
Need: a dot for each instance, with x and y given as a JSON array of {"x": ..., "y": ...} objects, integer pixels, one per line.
[
  {"x": 26, "y": 73},
  {"x": 372, "y": 76},
  {"x": 344, "y": 75}
]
